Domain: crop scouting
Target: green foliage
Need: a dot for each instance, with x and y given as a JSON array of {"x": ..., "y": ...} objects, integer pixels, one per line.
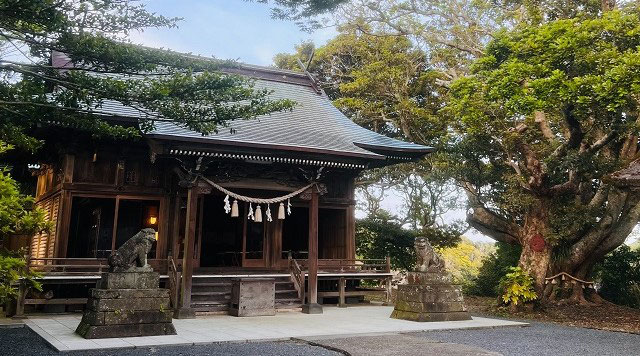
[
  {"x": 17, "y": 216},
  {"x": 493, "y": 268},
  {"x": 17, "y": 213},
  {"x": 465, "y": 259},
  {"x": 517, "y": 287},
  {"x": 619, "y": 277},
  {"x": 12, "y": 269},
  {"x": 379, "y": 237},
  {"x": 161, "y": 85}
]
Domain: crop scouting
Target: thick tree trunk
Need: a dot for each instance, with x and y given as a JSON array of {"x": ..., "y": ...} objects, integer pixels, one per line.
[{"x": 535, "y": 258}]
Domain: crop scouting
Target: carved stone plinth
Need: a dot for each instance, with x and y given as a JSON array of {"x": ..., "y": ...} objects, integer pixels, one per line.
[
  {"x": 127, "y": 304},
  {"x": 430, "y": 296}
]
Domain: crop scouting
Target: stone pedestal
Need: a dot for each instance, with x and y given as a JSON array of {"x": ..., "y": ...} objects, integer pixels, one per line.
[
  {"x": 430, "y": 296},
  {"x": 126, "y": 304}
]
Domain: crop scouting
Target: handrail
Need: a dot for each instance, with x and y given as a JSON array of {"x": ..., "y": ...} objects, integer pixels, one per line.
[
  {"x": 174, "y": 281},
  {"x": 297, "y": 277}
]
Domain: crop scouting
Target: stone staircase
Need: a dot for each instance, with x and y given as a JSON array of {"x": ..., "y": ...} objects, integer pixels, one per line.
[{"x": 213, "y": 294}]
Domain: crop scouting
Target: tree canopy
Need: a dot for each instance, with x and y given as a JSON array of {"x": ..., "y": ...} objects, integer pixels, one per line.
[
  {"x": 549, "y": 112},
  {"x": 99, "y": 65}
]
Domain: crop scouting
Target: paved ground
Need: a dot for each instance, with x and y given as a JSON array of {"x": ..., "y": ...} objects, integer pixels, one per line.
[
  {"x": 539, "y": 339},
  {"x": 59, "y": 331},
  {"x": 23, "y": 341}
]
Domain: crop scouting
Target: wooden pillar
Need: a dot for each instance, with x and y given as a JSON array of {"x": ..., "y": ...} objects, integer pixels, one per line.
[
  {"x": 312, "y": 306},
  {"x": 342, "y": 286},
  {"x": 185, "y": 311}
]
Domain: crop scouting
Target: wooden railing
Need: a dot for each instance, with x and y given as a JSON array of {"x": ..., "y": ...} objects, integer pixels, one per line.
[
  {"x": 81, "y": 266},
  {"x": 352, "y": 265},
  {"x": 297, "y": 277},
  {"x": 68, "y": 266},
  {"x": 174, "y": 282}
]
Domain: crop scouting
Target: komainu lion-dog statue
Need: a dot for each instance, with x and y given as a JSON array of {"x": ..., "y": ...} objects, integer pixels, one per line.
[
  {"x": 132, "y": 255},
  {"x": 427, "y": 259}
]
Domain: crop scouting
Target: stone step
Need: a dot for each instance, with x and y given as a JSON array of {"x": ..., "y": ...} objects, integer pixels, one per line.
[{"x": 212, "y": 294}]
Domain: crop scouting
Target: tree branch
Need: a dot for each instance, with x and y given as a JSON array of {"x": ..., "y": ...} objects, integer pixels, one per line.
[{"x": 488, "y": 222}]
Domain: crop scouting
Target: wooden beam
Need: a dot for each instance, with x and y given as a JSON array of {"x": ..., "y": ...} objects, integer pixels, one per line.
[
  {"x": 312, "y": 306},
  {"x": 185, "y": 311}
]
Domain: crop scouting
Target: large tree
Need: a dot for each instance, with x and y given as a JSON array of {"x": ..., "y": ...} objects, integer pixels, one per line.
[
  {"x": 383, "y": 83},
  {"x": 549, "y": 113},
  {"x": 101, "y": 66},
  {"x": 542, "y": 118}
]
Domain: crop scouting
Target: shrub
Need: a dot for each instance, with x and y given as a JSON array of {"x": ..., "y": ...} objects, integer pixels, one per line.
[
  {"x": 377, "y": 237},
  {"x": 493, "y": 268},
  {"x": 517, "y": 287},
  {"x": 12, "y": 268},
  {"x": 619, "y": 277}
]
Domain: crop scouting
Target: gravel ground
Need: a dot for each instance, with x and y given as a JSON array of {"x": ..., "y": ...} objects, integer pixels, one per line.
[
  {"x": 23, "y": 341},
  {"x": 541, "y": 339}
]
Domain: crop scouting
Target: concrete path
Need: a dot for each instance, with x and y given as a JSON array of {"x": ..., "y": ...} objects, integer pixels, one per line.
[{"x": 58, "y": 331}]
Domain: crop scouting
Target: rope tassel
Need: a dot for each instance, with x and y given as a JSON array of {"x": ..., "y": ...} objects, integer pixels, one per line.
[
  {"x": 258, "y": 216},
  {"x": 281, "y": 212},
  {"x": 234, "y": 209}
]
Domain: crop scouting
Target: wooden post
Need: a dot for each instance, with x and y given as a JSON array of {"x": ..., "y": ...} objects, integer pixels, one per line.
[
  {"x": 341, "y": 289},
  {"x": 388, "y": 280},
  {"x": 312, "y": 306},
  {"x": 185, "y": 311}
]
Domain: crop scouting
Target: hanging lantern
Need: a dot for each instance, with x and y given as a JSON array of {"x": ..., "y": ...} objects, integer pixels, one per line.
[
  {"x": 258, "y": 216},
  {"x": 250, "y": 216},
  {"x": 268, "y": 213},
  {"x": 281, "y": 212},
  {"x": 227, "y": 206},
  {"x": 234, "y": 209}
]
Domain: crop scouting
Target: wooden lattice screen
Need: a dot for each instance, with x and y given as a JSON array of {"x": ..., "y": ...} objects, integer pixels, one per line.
[{"x": 43, "y": 244}]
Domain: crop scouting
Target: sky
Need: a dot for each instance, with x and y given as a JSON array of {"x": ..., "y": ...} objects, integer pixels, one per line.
[
  {"x": 244, "y": 31},
  {"x": 226, "y": 29}
]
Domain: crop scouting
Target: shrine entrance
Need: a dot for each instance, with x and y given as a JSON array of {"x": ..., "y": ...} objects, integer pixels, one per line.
[
  {"x": 227, "y": 241},
  {"x": 223, "y": 241}
]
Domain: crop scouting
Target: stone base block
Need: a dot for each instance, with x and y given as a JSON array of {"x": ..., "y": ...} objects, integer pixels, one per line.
[
  {"x": 184, "y": 313},
  {"x": 314, "y": 308},
  {"x": 430, "y": 293},
  {"x": 129, "y": 280},
  {"x": 128, "y": 330},
  {"x": 127, "y": 317},
  {"x": 428, "y": 278},
  {"x": 430, "y": 296},
  {"x": 427, "y": 316}
]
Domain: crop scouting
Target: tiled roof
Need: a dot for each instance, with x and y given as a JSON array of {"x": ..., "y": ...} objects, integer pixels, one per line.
[{"x": 314, "y": 124}]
